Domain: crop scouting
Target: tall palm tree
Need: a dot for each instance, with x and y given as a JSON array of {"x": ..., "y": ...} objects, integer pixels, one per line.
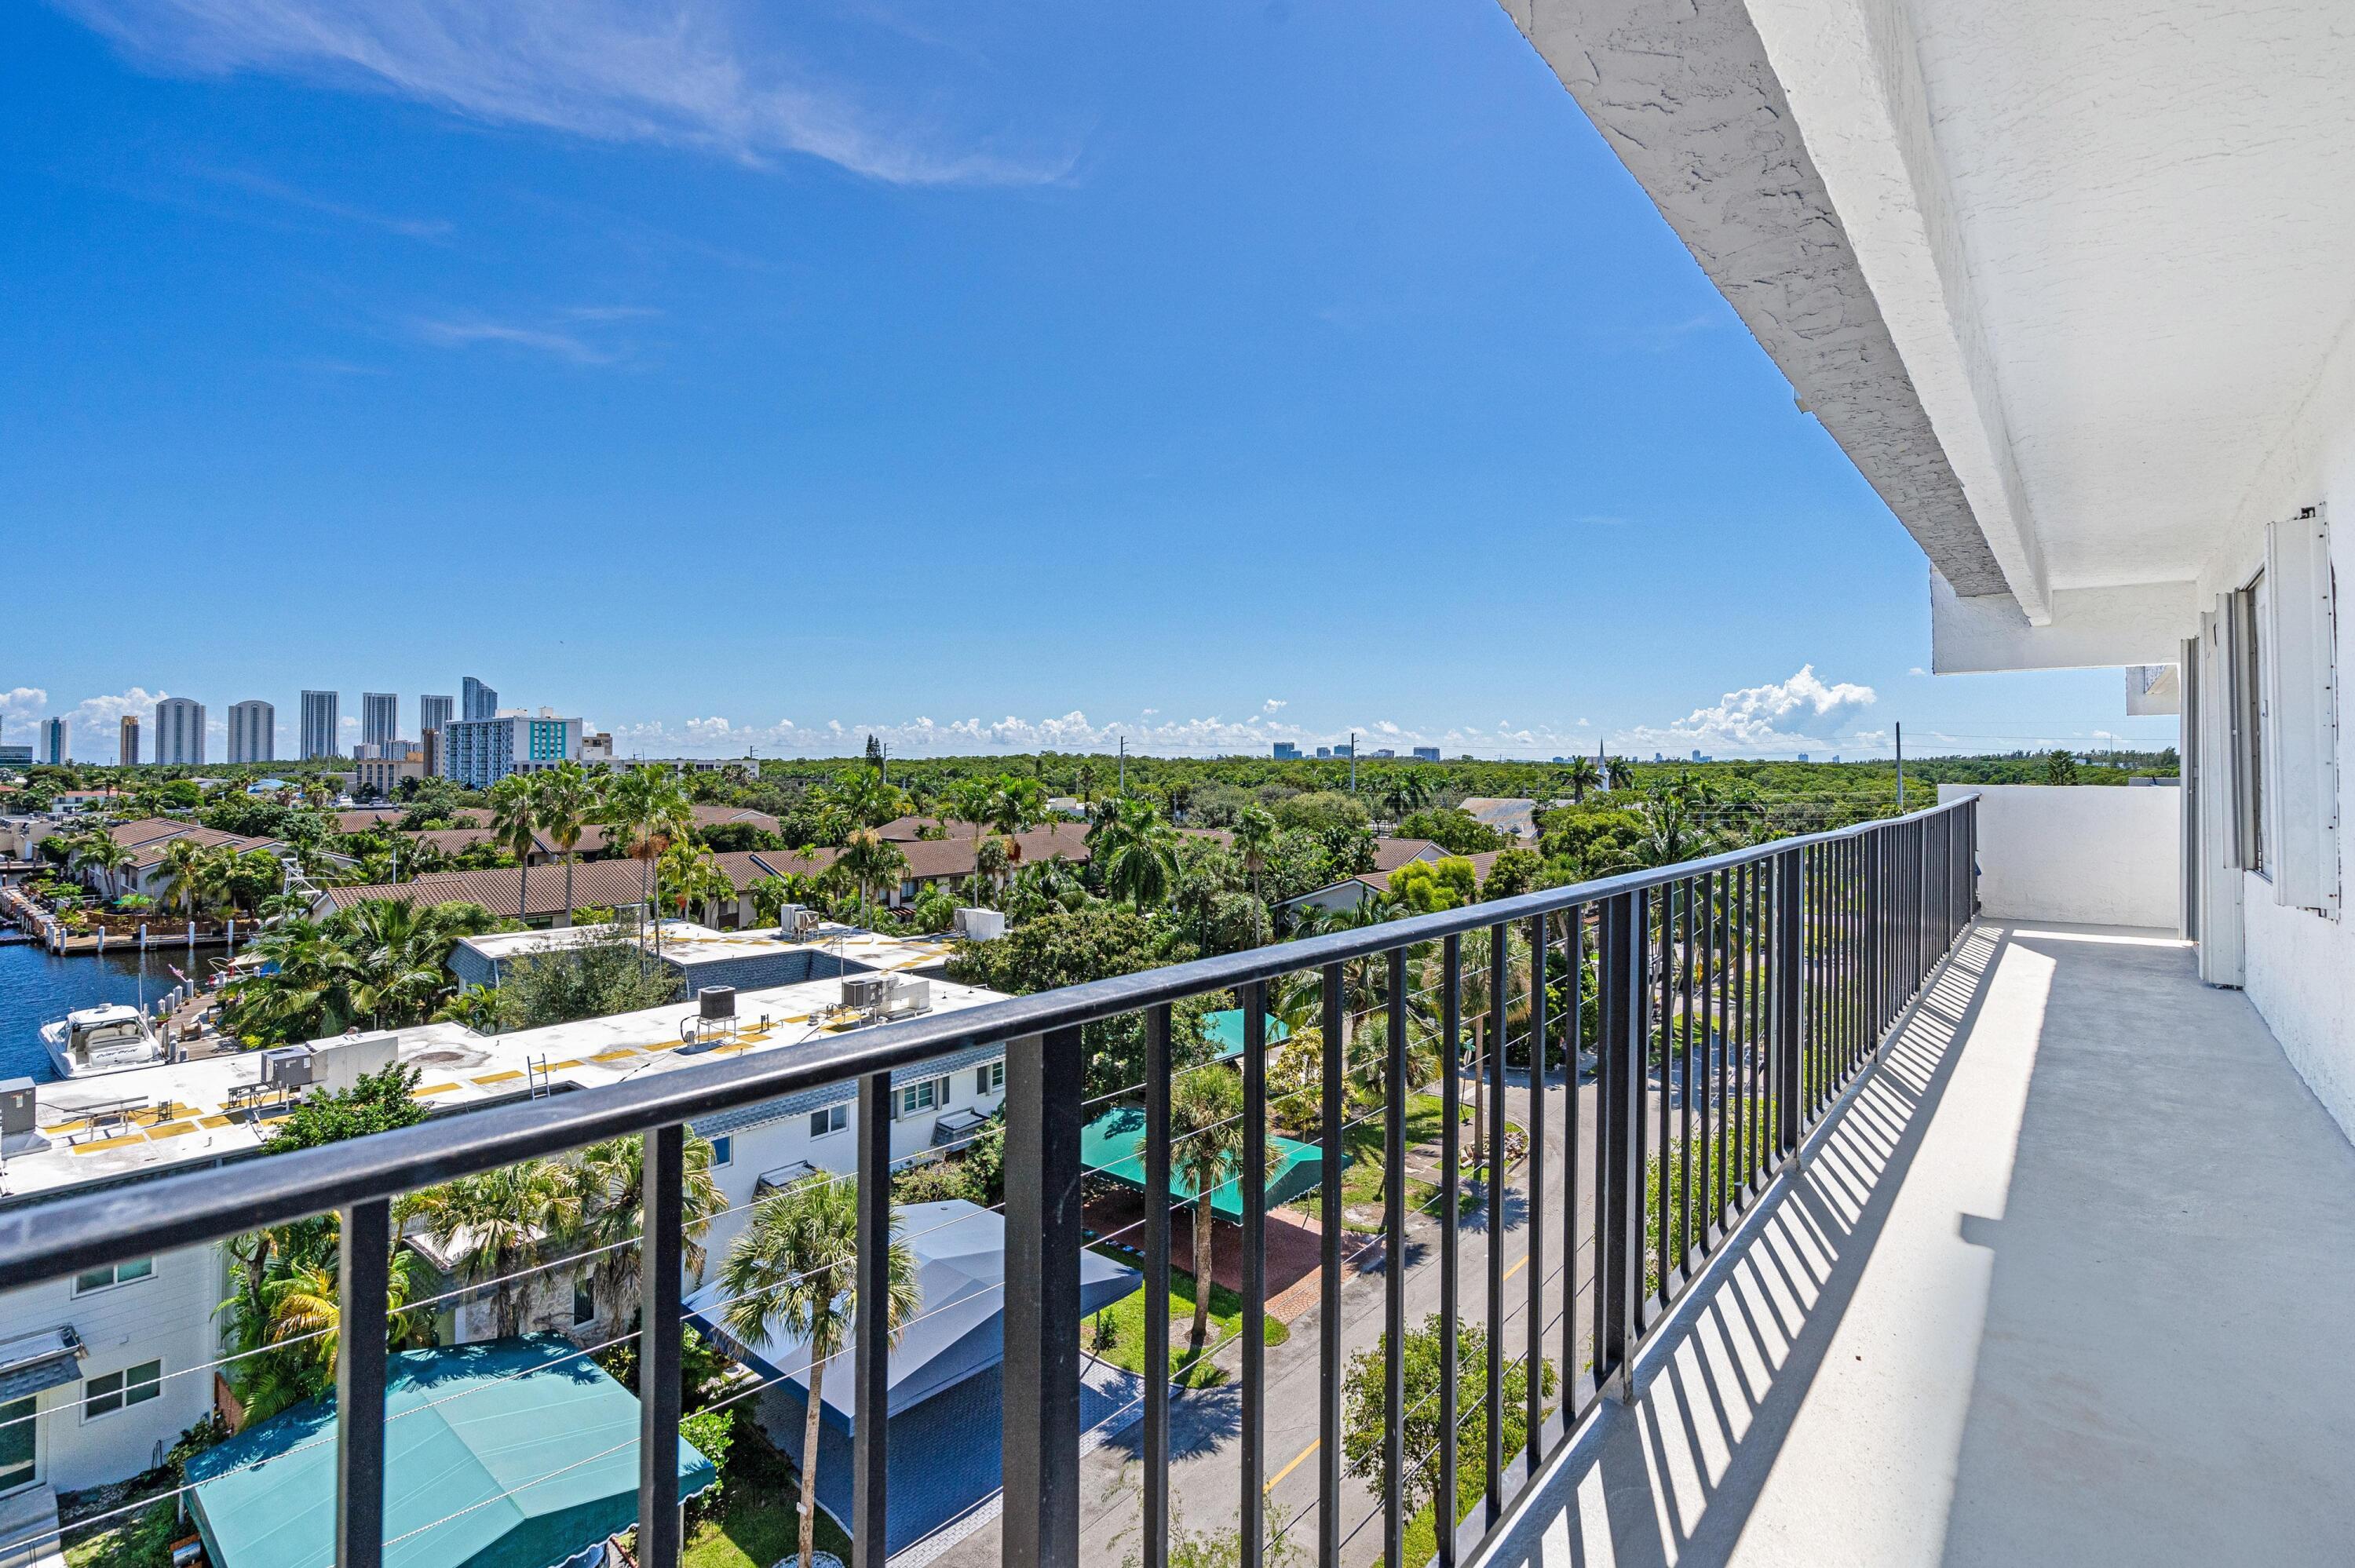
[
  {"x": 609, "y": 1198},
  {"x": 515, "y": 827},
  {"x": 645, "y": 811},
  {"x": 100, "y": 853},
  {"x": 1016, "y": 805},
  {"x": 870, "y": 859},
  {"x": 1255, "y": 833},
  {"x": 187, "y": 874},
  {"x": 1206, "y": 1152},
  {"x": 568, "y": 802},
  {"x": 970, "y": 802},
  {"x": 496, "y": 1223},
  {"x": 794, "y": 1271},
  {"x": 1138, "y": 852},
  {"x": 1581, "y": 774},
  {"x": 868, "y": 800}
]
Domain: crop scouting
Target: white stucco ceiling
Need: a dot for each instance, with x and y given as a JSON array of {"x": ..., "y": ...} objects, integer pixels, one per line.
[{"x": 2155, "y": 204}]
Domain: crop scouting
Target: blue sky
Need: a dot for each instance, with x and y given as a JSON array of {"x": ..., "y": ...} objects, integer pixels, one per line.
[{"x": 991, "y": 377}]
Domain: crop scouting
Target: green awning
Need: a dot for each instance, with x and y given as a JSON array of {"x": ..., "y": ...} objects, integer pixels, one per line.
[
  {"x": 1113, "y": 1145},
  {"x": 1224, "y": 1031},
  {"x": 515, "y": 1454}
]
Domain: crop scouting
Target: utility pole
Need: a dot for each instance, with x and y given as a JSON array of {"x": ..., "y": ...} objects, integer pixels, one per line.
[
  {"x": 1353, "y": 762},
  {"x": 1900, "y": 766},
  {"x": 1123, "y": 765}
]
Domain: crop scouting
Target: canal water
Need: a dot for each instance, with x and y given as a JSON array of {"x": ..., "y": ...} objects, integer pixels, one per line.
[{"x": 38, "y": 987}]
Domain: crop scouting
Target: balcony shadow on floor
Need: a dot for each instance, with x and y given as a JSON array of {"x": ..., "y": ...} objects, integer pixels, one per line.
[{"x": 1676, "y": 1473}]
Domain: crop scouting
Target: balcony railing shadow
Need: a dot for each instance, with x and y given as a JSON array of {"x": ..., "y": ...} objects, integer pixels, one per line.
[{"x": 1674, "y": 1475}]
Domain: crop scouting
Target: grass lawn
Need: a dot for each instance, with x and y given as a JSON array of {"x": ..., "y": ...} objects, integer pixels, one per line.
[
  {"x": 758, "y": 1523},
  {"x": 1361, "y": 1183},
  {"x": 141, "y": 1539},
  {"x": 1117, "y": 1333}
]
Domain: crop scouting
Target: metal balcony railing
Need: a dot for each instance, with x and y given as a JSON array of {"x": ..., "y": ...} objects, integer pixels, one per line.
[{"x": 1723, "y": 1004}]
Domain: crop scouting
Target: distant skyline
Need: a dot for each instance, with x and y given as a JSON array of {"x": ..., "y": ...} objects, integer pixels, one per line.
[
  {"x": 1776, "y": 719},
  {"x": 987, "y": 377}
]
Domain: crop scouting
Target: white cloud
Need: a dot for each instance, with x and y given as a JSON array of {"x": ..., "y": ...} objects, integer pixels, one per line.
[
  {"x": 22, "y": 703},
  {"x": 1071, "y": 731},
  {"x": 689, "y": 73},
  {"x": 466, "y": 335},
  {"x": 1273, "y": 705},
  {"x": 1799, "y": 714}
]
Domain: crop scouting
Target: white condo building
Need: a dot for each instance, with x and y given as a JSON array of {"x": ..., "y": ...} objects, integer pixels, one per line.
[
  {"x": 180, "y": 733},
  {"x": 253, "y": 732},
  {"x": 379, "y": 717},
  {"x": 320, "y": 717}
]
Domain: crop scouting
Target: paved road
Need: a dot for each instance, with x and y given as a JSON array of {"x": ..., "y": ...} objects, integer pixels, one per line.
[{"x": 1206, "y": 1475}]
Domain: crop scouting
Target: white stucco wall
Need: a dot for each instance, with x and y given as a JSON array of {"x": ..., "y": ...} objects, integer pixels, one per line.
[
  {"x": 2300, "y": 966},
  {"x": 2082, "y": 853}
]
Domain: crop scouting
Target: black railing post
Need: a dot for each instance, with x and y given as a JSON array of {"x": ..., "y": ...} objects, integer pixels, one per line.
[
  {"x": 1041, "y": 1415},
  {"x": 1533, "y": 1223},
  {"x": 1788, "y": 957},
  {"x": 661, "y": 1324},
  {"x": 1619, "y": 1106},
  {"x": 365, "y": 1247},
  {"x": 1395, "y": 1456},
  {"x": 1328, "y": 1298},
  {"x": 1252, "y": 1175},
  {"x": 1451, "y": 1243},
  {"x": 1492, "y": 1198},
  {"x": 871, "y": 1366},
  {"x": 1157, "y": 1288}
]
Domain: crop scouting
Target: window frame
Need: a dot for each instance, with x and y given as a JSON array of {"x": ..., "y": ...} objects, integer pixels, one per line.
[
  {"x": 128, "y": 1389},
  {"x": 116, "y": 1279},
  {"x": 989, "y": 1078},
  {"x": 827, "y": 1120},
  {"x": 723, "y": 1150}
]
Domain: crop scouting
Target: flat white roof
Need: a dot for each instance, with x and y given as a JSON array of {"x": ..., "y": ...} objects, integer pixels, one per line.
[
  {"x": 688, "y": 944},
  {"x": 190, "y": 1119}
]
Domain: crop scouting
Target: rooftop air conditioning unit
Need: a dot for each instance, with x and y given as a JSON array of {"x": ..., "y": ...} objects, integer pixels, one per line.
[
  {"x": 716, "y": 1002},
  {"x": 907, "y": 994},
  {"x": 17, "y": 1097},
  {"x": 339, "y": 1062},
  {"x": 289, "y": 1067},
  {"x": 796, "y": 920},
  {"x": 865, "y": 993},
  {"x": 981, "y": 925}
]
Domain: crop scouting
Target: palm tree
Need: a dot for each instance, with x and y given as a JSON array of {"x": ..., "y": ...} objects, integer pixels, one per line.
[
  {"x": 1136, "y": 851},
  {"x": 1255, "y": 833},
  {"x": 868, "y": 799},
  {"x": 870, "y": 858},
  {"x": 1205, "y": 1151},
  {"x": 100, "y": 853},
  {"x": 186, "y": 875},
  {"x": 609, "y": 1197},
  {"x": 396, "y": 953},
  {"x": 794, "y": 1271},
  {"x": 515, "y": 827},
  {"x": 496, "y": 1224},
  {"x": 970, "y": 802},
  {"x": 1016, "y": 805},
  {"x": 645, "y": 810},
  {"x": 1581, "y": 774},
  {"x": 567, "y": 801}
]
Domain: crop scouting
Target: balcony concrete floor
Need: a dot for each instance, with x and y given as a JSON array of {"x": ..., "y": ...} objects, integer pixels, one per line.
[{"x": 2071, "y": 1280}]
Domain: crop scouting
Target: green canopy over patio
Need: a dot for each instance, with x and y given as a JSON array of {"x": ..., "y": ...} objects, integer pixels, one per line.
[
  {"x": 1113, "y": 1145},
  {"x": 515, "y": 1454}
]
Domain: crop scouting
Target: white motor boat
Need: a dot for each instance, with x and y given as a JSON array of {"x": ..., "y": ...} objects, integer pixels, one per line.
[{"x": 95, "y": 1039}]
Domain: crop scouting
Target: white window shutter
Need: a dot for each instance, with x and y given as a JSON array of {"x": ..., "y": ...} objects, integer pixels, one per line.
[{"x": 2299, "y": 669}]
